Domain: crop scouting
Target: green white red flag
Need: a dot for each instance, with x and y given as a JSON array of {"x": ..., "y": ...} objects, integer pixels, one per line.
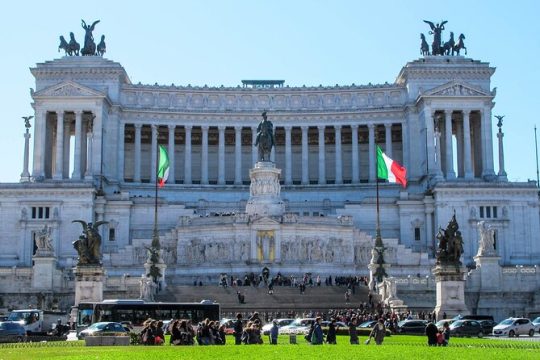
[
  {"x": 390, "y": 170},
  {"x": 163, "y": 166}
]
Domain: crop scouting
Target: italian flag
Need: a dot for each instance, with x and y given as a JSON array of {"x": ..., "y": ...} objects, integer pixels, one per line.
[
  {"x": 390, "y": 170},
  {"x": 163, "y": 166}
]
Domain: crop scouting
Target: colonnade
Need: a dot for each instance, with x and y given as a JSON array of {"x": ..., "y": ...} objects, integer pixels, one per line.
[{"x": 286, "y": 148}]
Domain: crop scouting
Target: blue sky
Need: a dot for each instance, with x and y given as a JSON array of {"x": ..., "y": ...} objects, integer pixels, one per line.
[{"x": 303, "y": 42}]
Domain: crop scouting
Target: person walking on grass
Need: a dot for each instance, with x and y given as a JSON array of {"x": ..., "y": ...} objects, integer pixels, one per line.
[{"x": 353, "y": 333}]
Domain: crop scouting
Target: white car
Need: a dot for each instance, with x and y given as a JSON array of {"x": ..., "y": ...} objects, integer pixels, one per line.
[
  {"x": 514, "y": 327},
  {"x": 280, "y": 322},
  {"x": 536, "y": 324},
  {"x": 298, "y": 326}
]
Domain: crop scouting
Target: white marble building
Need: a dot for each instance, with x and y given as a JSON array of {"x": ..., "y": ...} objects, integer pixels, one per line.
[{"x": 95, "y": 139}]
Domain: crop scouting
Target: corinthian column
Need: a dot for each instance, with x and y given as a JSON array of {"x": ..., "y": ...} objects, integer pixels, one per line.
[
  {"x": 288, "y": 156},
  {"x": 450, "y": 173},
  {"x": 322, "y": 160},
  {"x": 305, "y": 156},
  {"x": 467, "y": 144},
  {"x": 153, "y": 160},
  {"x": 59, "y": 165},
  {"x": 388, "y": 139},
  {"x": 121, "y": 151},
  {"x": 354, "y": 157},
  {"x": 254, "y": 151},
  {"x": 204, "y": 155},
  {"x": 187, "y": 156},
  {"x": 339, "y": 163},
  {"x": 137, "y": 166},
  {"x": 77, "y": 152},
  {"x": 238, "y": 155},
  {"x": 371, "y": 152},
  {"x": 25, "y": 175},
  {"x": 172, "y": 166},
  {"x": 221, "y": 155}
]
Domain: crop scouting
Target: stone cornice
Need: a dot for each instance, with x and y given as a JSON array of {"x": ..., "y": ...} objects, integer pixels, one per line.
[{"x": 80, "y": 67}]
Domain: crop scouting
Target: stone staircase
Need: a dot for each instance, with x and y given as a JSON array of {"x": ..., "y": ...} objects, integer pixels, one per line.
[{"x": 257, "y": 299}]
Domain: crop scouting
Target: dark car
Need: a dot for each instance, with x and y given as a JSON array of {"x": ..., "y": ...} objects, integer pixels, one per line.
[
  {"x": 412, "y": 327},
  {"x": 488, "y": 325},
  {"x": 466, "y": 328},
  {"x": 11, "y": 332},
  {"x": 102, "y": 327}
]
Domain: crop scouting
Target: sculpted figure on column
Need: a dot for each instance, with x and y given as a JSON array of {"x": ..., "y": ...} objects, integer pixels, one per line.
[
  {"x": 265, "y": 138},
  {"x": 88, "y": 245}
]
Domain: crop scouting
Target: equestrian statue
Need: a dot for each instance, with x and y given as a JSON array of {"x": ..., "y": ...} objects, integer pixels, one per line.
[{"x": 265, "y": 138}]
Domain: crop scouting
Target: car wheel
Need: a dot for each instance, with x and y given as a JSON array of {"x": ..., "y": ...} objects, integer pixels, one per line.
[
  {"x": 511, "y": 333},
  {"x": 481, "y": 334},
  {"x": 531, "y": 332}
]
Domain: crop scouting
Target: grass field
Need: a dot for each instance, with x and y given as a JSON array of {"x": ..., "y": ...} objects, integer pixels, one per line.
[{"x": 395, "y": 347}]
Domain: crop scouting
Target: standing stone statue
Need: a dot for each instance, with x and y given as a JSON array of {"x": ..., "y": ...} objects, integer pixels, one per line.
[
  {"x": 88, "y": 245},
  {"x": 43, "y": 240},
  {"x": 89, "y": 44},
  {"x": 265, "y": 138},
  {"x": 436, "y": 31},
  {"x": 486, "y": 245}
]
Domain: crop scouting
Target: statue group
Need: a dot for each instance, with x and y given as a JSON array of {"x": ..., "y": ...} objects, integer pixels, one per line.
[
  {"x": 450, "y": 243},
  {"x": 449, "y": 47},
  {"x": 88, "y": 245},
  {"x": 73, "y": 48}
]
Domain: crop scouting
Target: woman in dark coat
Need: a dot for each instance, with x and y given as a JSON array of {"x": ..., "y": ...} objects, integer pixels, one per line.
[{"x": 331, "y": 336}]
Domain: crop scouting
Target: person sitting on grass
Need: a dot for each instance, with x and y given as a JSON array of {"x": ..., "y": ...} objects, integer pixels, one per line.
[{"x": 378, "y": 332}]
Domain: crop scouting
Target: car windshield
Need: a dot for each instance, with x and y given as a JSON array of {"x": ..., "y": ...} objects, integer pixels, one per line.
[
  {"x": 507, "y": 322},
  {"x": 97, "y": 326},
  {"x": 537, "y": 320},
  {"x": 457, "y": 324}
]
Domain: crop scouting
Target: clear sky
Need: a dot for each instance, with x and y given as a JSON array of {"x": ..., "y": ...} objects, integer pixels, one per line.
[{"x": 307, "y": 42}]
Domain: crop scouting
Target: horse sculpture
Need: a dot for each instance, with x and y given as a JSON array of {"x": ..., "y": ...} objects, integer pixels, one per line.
[
  {"x": 460, "y": 45},
  {"x": 424, "y": 47},
  {"x": 101, "y": 47},
  {"x": 265, "y": 138},
  {"x": 71, "y": 48},
  {"x": 449, "y": 45}
]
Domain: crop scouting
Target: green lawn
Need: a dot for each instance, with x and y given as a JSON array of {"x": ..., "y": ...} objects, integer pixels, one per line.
[{"x": 395, "y": 347}]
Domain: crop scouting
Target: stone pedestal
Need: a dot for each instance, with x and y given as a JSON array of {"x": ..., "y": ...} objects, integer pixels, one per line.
[
  {"x": 264, "y": 191},
  {"x": 88, "y": 283},
  {"x": 43, "y": 271},
  {"x": 490, "y": 272},
  {"x": 450, "y": 287}
]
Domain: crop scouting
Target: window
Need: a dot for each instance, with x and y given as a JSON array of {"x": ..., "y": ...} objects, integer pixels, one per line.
[
  {"x": 417, "y": 233},
  {"x": 488, "y": 212},
  {"x": 41, "y": 212},
  {"x": 112, "y": 234}
]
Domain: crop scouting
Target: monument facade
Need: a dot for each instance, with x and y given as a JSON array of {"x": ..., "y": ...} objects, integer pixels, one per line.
[{"x": 306, "y": 203}]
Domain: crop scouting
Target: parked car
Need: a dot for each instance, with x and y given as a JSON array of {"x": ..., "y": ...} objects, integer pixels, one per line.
[
  {"x": 367, "y": 324},
  {"x": 536, "y": 324},
  {"x": 102, "y": 327},
  {"x": 466, "y": 328},
  {"x": 11, "y": 331},
  {"x": 514, "y": 327},
  {"x": 474, "y": 317},
  {"x": 412, "y": 326},
  {"x": 440, "y": 323},
  {"x": 487, "y": 325},
  {"x": 280, "y": 322},
  {"x": 298, "y": 326}
]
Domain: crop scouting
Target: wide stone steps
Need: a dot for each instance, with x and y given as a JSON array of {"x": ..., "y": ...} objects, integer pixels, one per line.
[{"x": 284, "y": 297}]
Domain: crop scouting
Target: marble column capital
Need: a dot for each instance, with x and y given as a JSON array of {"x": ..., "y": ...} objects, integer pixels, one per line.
[
  {"x": 304, "y": 128},
  {"x": 321, "y": 127},
  {"x": 354, "y": 126},
  {"x": 337, "y": 127},
  {"x": 154, "y": 127},
  {"x": 205, "y": 128},
  {"x": 221, "y": 128},
  {"x": 138, "y": 126},
  {"x": 238, "y": 128},
  {"x": 388, "y": 125},
  {"x": 371, "y": 127},
  {"x": 171, "y": 127},
  {"x": 287, "y": 127}
]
